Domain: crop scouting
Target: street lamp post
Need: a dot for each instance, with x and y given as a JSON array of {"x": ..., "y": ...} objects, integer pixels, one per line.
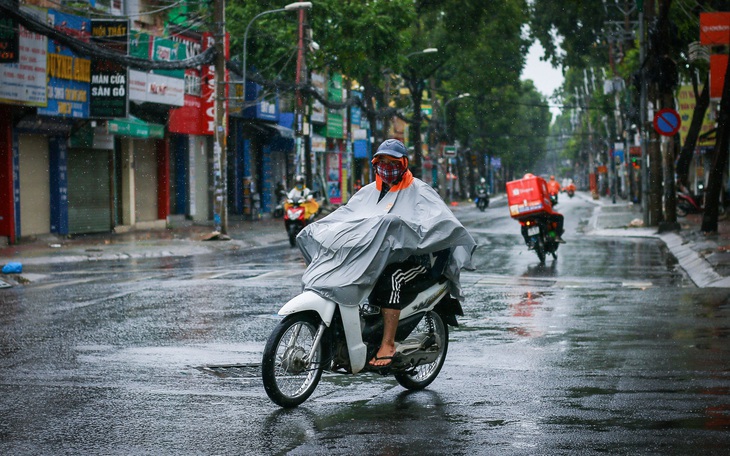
[
  {"x": 296, "y": 6},
  {"x": 446, "y": 123},
  {"x": 416, "y": 86},
  {"x": 435, "y": 166}
]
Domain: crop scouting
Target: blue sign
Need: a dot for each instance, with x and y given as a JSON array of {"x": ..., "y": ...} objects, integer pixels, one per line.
[
  {"x": 667, "y": 122},
  {"x": 69, "y": 76}
]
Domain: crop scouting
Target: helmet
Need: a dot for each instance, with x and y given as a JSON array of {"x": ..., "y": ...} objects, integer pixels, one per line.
[
  {"x": 393, "y": 148},
  {"x": 552, "y": 177},
  {"x": 483, "y": 180},
  {"x": 299, "y": 180}
]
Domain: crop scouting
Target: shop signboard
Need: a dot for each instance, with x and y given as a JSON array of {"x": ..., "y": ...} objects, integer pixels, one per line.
[
  {"x": 168, "y": 50},
  {"x": 69, "y": 76},
  {"x": 108, "y": 97},
  {"x": 135, "y": 128},
  {"x": 335, "y": 117},
  {"x": 188, "y": 119},
  {"x": 318, "y": 110},
  {"x": 24, "y": 82},
  {"x": 155, "y": 88},
  {"x": 9, "y": 39}
]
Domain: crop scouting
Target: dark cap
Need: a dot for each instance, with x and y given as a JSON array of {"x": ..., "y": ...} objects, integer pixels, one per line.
[{"x": 392, "y": 147}]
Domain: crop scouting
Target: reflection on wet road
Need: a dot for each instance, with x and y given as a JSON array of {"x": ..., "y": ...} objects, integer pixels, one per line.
[{"x": 608, "y": 350}]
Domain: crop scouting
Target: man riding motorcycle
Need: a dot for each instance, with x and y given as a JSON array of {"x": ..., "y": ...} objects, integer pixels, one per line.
[
  {"x": 300, "y": 191},
  {"x": 397, "y": 231}
]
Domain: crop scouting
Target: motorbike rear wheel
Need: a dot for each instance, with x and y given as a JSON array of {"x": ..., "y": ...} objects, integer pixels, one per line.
[
  {"x": 540, "y": 248},
  {"x": 289, "y": 377},
  {"x": 422, "y": 376}
]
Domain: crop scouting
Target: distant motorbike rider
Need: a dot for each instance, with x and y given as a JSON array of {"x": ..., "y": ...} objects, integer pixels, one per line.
[
  {"x": 482, "y": 187},
  {"x": 302, "y": 192},
  {"x": 300, "y": 189},
  {"x": 553, "y": 186}
]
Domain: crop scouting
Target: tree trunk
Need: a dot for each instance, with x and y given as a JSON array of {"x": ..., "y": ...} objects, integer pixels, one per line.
[
  {"x": 719, "y": 161},
  {"x": 690, "y": 142}
]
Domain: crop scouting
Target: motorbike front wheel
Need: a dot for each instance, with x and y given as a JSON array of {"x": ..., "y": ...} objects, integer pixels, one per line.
[
  {"x": 289, "y": 374},
  {"x": 422, "y": 376}
]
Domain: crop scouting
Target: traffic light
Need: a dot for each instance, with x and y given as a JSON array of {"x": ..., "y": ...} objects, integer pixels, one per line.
[{"x": 636, "y": 162}]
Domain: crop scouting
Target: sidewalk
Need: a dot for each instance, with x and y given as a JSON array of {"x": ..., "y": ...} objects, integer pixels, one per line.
[{"x": 706, "y": 259}]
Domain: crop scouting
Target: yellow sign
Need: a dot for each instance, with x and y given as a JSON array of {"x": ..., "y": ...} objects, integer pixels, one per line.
[{"x": 686, "y": 98}]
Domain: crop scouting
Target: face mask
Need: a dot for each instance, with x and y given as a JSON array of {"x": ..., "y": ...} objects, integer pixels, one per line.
[
  {"x": 299, "y": 186},
  {"x": 389, "y": 171}
]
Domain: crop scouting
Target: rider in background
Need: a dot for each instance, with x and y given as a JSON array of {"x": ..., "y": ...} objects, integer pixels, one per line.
[
  {"x": 553, "y": 186},
  {"x": 300, "y": 191},
  {"x": 552, "y": 215}
]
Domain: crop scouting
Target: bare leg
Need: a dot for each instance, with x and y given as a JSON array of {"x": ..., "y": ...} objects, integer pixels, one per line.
[{"x": 387, "y": 346}]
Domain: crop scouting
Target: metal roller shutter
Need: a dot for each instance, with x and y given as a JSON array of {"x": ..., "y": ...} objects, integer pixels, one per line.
[{"x": 89, "y": 191}]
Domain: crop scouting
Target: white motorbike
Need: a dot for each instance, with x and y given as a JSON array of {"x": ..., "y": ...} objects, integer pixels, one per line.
[{"x": 318, "y": 334}]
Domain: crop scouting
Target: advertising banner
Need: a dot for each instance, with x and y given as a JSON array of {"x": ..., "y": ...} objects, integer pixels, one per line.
[
  {"x": 109, "y": 89},
  {"x": 686, "y": 105},
  {"x": 69, "y": 76},
  {"x": 24, "y": 82},
  {"x": 715, "y": 28}
]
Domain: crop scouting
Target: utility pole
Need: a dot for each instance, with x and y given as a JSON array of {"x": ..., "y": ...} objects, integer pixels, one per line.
[
  {"x": 302, "y": 118},
  {"x": 220, "y": 203}
]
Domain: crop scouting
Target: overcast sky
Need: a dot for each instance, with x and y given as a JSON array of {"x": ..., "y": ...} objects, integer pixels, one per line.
[{"x": 545, "y": 77}]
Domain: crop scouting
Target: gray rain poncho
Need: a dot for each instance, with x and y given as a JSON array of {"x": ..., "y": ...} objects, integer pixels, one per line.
[{"x": 347, "y": 251}]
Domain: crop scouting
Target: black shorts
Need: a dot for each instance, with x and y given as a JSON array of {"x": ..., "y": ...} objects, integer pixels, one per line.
[{"x": 401, "y": 282}]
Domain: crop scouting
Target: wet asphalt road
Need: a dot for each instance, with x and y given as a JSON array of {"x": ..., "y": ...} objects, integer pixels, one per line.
[{"x": 608, "y": 350}]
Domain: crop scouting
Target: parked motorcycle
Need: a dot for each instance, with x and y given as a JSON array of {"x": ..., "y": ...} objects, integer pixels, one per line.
[
  {"x": 279, "y": 209},
  {"x": 539, "y": 234},
  {"x": 296, "y": 216},
  {"x": 318, "y": 334},
  {"x": 693, "y": 204},
  {"x": 482, "y": 199}
]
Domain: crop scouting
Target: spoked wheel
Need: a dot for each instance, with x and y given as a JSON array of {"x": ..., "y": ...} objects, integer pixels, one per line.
[
  {"x": 290, "y": 375},
  {"x": 422, "y": 376}
]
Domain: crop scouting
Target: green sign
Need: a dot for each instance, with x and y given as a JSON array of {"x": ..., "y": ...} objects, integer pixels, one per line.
[{"x": 135, "y": 128}]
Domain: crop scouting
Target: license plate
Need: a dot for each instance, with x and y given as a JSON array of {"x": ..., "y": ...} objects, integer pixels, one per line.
[{"x": 534, "y": 231}]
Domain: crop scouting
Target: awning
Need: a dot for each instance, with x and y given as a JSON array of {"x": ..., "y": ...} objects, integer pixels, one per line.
[
  {"x": 268, "y": 130},
  {"x": 133, "y": 127},
  {"x": 283, "y": 131}
]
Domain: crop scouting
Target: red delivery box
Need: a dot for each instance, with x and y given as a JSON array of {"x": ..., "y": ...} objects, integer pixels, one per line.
[{"x": 528, "y": 196}]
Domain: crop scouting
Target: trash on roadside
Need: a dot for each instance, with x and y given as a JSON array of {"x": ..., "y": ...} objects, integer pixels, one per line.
[
  {"x": 54, "y": 246},
  {"x": 13, "y": 268},
  {"x": 636, "y": 223},
  {"x": 4, "y": 284}
]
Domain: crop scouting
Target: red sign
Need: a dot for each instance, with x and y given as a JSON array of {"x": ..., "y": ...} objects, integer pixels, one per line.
[
  {"x": 714, "y": 28},
  {"x": 718, "y": 67},
  {"x": 667, "y": 122}
]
